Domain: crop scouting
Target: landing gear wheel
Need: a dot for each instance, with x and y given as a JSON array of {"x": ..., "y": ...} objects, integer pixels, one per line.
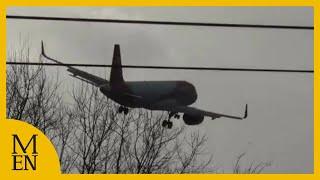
[
  {"x": 164, "y": 123},
  {"x": 169, "y": 124},
  {"x": 120, "y": 109},
  {"x": 123, "y": 110},
  {"x": 126, "y": 110}
]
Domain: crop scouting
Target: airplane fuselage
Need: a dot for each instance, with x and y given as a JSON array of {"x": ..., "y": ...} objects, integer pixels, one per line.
[{"x": 154, "y": 95}]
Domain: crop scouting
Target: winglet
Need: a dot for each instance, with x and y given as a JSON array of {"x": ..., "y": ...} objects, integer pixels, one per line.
[
  {"x": 42, "y": 49},
  {"x": 49, "y": 58},
  {"x": 246, "y": 112}
]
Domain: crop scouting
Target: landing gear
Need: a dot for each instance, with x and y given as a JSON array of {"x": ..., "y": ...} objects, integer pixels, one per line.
[
  {"x": 123, "y": 109},
  {"x": 167, "y": 123}
]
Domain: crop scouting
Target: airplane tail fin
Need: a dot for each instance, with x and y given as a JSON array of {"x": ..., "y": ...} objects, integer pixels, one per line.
[{"x": 116, "y": 69}]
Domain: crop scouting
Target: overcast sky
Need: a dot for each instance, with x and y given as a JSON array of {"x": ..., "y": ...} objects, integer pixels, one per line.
[{"x": 279, "y": 127}]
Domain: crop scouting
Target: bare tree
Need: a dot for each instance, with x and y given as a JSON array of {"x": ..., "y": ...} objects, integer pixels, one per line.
[
  {"x": 253, "y": 168},
  {"x": 34, "y": 98},
  {"x": 94, "y": 122}
]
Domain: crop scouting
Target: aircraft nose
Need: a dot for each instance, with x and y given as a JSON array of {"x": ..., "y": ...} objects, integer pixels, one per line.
[{"x": 188, "y": 94}]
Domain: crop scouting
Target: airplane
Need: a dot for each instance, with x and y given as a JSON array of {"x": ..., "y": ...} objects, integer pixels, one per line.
[{"x": 171, "y": 96}]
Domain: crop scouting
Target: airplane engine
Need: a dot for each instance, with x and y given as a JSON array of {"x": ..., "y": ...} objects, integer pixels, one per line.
[{"x": 193, "y": 119}]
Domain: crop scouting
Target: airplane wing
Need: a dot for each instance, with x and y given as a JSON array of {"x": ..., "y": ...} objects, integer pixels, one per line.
[
  {"x": 192, "y": 110},
  {"x": 77, "y": 73}
]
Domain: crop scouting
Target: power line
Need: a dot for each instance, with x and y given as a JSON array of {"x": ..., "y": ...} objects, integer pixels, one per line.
[
  {"x": 167, "y": 67},
  {"x": 162, "y": 23},
  {"x": 176, "y": 23}
]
